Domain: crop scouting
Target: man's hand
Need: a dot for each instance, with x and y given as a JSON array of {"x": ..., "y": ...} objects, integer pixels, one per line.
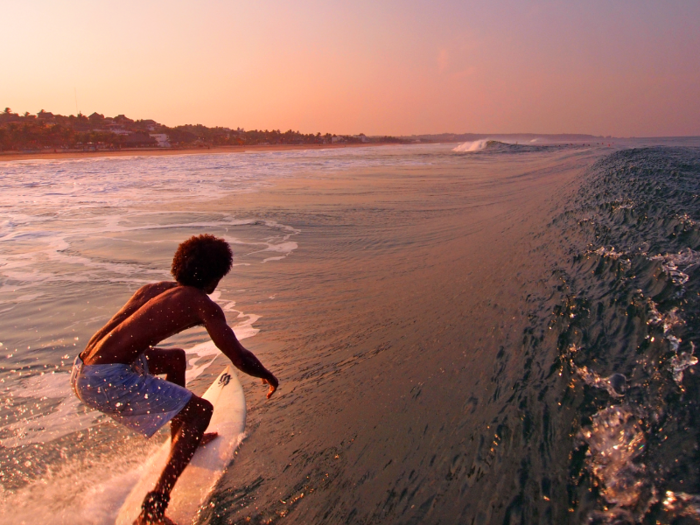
[
  {"x": 272, "y": 381},
  {"x": 225, "y": 340}
]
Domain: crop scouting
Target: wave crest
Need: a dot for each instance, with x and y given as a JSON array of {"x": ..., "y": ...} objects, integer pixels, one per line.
[{"x": 489, "y": 145}]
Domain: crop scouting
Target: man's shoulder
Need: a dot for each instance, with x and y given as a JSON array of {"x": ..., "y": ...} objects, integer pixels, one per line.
[
  {"x": 192, "y": 295},
  {"x": 195, "y": 301},
  {"x": 150, "y": 290}
]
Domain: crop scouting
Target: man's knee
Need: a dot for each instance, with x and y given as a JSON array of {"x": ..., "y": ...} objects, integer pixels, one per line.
[
  {"x": 201, "y": 411},
  {"x": 207, "y": 409},
  {"x": 205, "y": 406}
]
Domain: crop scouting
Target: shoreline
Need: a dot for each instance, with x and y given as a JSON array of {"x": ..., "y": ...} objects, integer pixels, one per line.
[{"x": 158, "y": 152}]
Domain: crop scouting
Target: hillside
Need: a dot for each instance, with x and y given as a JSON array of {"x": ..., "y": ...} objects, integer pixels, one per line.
[{"x": 47, "y": 131}]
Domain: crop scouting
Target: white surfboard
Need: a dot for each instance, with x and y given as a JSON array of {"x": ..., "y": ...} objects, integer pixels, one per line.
[{"x": 197, "y": 481}]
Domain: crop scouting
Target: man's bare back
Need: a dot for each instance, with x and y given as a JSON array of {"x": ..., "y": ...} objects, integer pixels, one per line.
[{"x": 154, "y": 313}]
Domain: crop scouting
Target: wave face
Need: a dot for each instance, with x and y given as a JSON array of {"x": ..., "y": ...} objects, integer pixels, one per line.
[{"x": 628, "y": 324}]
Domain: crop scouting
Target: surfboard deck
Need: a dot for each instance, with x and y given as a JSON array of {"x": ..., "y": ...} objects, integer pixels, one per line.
[{"x": 197, "y": 481}]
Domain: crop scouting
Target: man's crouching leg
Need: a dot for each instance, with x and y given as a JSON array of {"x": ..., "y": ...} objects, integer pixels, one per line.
[
  {"x": 172, "y": 362},
  {"x": 190, "y": 423}
]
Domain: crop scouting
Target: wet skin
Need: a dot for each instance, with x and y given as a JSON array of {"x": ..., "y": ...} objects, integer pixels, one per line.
[{"x": 154, "y": 313}]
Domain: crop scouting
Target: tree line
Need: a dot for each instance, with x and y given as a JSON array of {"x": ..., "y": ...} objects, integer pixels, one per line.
[{"x": 46, "y": 130}]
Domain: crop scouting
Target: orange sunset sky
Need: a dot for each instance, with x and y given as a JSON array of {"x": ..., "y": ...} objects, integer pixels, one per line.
[{"x": 605, "y": 67}]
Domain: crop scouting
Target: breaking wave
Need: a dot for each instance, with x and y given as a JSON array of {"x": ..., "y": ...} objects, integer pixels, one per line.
[{"x": 491, "y": 145}]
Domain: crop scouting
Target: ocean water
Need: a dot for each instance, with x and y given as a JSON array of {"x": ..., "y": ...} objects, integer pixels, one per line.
[{"x": 482, "y": 333}]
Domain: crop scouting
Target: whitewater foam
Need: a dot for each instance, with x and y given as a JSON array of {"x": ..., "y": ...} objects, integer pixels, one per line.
[
  {"x": 675, "y": 265},
  {"x": 615, "y": 442},
  {"x": 477, "y": 145}
]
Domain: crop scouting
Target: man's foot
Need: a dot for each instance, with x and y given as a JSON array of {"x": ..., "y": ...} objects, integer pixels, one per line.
[
  {"x": 163, "y": 521},
  {"x": 153, "y": 510},
  {"x": 208, "y": 437}
]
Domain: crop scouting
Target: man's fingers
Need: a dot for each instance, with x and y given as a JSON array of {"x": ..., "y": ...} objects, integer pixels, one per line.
[{"x": 273, "y": 386}]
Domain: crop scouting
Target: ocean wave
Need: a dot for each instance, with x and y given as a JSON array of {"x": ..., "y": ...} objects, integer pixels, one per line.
[
  {"x": 489, "y": 145},
  {"x": 629, "y": 321},
  {"x": 501, "y": 146}
]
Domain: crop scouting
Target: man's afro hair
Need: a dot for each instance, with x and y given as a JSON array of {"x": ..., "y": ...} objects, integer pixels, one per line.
[{"x": 200, "y": 260}]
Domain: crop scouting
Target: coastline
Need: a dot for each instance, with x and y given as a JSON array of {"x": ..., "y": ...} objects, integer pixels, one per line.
[{"x": 157, "y": 152}]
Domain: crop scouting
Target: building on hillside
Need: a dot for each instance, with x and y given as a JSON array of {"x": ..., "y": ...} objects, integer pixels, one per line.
[
  {"x": 139, "y": 140},
  {"x": 151, "y": 125},
  {"x": 162, "y": 139},
  {"x": 115, "y": 128},
  {"x": 9, "y": 117},
  {"x": 122, "y": 119}
]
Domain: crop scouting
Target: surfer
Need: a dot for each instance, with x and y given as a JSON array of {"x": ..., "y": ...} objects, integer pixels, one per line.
[{"x": 116, "y": 373}]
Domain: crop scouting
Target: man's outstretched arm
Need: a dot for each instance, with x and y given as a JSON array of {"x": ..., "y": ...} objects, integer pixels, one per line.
[{"x": 226, "y": 341}]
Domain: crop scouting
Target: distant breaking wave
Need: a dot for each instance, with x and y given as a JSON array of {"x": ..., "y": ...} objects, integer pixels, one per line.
[
  {"x": 491, "y": 145},
  {"x": 477, "y": 145}
]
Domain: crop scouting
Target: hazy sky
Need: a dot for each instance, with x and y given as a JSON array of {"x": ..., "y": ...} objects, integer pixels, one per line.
[{"x": 619, "y": 67}]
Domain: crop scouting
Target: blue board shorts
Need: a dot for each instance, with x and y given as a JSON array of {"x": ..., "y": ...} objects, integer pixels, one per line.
[{"x": 129, "y": 394}]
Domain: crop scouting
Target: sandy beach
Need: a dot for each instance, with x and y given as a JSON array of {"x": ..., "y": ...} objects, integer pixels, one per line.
[{"x": 157, "y": 152}]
